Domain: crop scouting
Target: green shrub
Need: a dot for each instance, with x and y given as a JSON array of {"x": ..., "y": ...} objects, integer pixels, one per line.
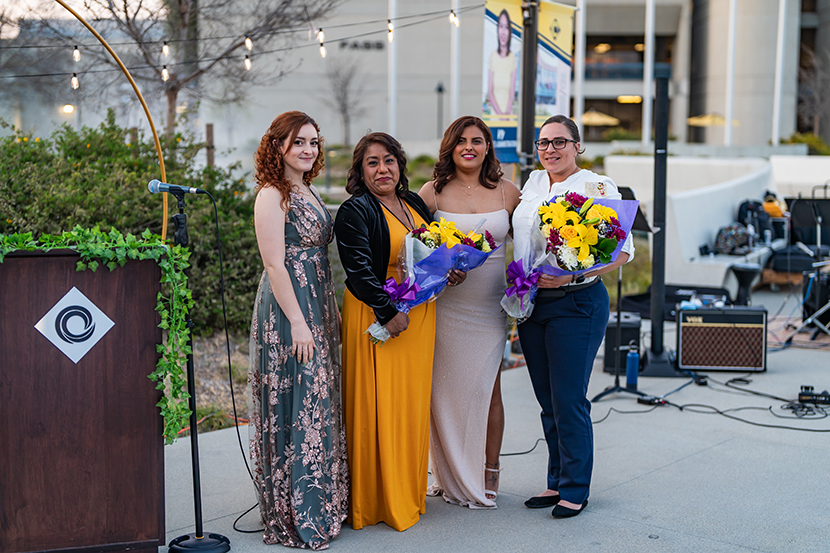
[
  {"x": 97, "y": 177},
  {"x": 619, "y": 133},
  {"x": 815, "y": 144}
]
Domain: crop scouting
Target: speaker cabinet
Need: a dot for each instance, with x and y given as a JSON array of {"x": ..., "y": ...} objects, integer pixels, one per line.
[
  {"x": 629, "y": 332},
  {"x": 731, "y": 339},
  {"x": 819, "y": 293}
]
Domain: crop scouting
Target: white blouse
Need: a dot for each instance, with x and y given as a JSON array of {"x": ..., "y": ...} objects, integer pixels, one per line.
[{"x": 538, "y": 189}]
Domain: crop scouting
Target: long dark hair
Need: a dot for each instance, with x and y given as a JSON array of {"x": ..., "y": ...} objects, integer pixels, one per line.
[
  {"x": 269, "y": 167},
  {"x": 444, "y": 170},
  {"x": 509, "y": 32},
  {"x": 355, "y": 184}
]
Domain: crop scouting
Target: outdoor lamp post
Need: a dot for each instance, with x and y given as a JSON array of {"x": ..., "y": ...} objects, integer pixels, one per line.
[{"x": 439, "y": 90}]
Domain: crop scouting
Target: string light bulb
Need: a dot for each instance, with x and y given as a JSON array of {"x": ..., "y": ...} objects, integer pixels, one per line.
[
  {"x": 247, "y": 63},
  {"x": 249, "y": 44},
  {"x": 75, "y": 83},
  {"x": 165, "y": 75},
  {"x": 321, "y": 36},
  {"x": 322, "y": 50},
  {"x": 454, "y": 18},
  {"x": 165, "y": 49},
  {"x": 76, "y": 54},
  {"x": 391, "y": 35}
]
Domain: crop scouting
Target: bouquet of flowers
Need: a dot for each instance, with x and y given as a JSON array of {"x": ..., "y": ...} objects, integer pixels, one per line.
[
  {"x": 428, "y": 255},
  {"x": 576, "y": 235},
  {"x": 579, "y": 232}
]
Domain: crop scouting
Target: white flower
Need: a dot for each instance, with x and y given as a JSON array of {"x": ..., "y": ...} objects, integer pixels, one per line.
[
  {"x": 588, "y": 262},
  {"x": 567, "y": 257}
]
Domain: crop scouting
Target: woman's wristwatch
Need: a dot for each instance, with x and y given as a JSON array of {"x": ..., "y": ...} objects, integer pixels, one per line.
[{"x": 578, "y": 279}]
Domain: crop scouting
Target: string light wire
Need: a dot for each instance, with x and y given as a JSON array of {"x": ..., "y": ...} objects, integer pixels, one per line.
[
  {"x": 273, "y": 51},
  {"x": 276, "y": 32}
]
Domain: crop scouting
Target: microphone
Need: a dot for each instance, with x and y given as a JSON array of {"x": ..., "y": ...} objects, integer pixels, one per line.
[{"x": 155, "y": 186}]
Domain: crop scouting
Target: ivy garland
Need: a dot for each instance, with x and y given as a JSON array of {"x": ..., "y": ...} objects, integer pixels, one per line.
[{"x": 113, "y": 249}]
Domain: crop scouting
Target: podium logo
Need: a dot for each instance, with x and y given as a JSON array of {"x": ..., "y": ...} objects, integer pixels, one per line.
[{"x": 74, "y": 325}]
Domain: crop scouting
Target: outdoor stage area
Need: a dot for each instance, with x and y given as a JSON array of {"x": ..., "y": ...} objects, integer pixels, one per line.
[{"x": 664, "y": 479}]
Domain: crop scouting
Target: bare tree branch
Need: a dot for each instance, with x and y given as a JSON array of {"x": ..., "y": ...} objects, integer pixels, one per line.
[
  {"x": 206, "y": 39},
  {"x": 347, "y": 93},
  {"x": 813, "y": 90}
]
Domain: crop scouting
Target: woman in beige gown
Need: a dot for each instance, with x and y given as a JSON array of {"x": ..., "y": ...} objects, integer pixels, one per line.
[{"x": 466, "y": 412}]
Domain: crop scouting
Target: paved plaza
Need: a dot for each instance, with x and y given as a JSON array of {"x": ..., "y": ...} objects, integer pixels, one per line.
[{"x": 664, "y": 479}]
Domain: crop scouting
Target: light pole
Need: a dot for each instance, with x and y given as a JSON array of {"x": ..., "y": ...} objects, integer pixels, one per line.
[{"x": 439, "y": 90}]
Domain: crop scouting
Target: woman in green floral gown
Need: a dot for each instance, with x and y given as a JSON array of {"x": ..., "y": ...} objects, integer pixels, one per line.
[{"x": 298, "y": 441}]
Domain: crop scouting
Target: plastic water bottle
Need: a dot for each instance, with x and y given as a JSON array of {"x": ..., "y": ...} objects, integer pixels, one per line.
[{"x": 632, "y": 366}]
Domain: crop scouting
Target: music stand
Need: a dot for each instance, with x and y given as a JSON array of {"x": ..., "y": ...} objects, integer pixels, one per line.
[
  {"x": 813, "y": 211},
  {"x": 640, "y": 223}
]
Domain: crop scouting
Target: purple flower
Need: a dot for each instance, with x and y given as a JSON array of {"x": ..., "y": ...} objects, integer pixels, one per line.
[
  {"x": 619, "y": 234},
  {"x": 420, "y": 230},
  {"x": 490, "y": 240},
  {"x": 467, "y": 241},
  {"x": 554, "y": 240},
  {"x": 575, "y": 199}
]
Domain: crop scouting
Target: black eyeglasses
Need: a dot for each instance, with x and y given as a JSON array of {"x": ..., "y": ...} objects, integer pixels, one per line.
[{"x": 558, "y": 143}]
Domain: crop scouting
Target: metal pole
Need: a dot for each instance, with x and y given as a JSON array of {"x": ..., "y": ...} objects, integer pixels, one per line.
[
  {"x": 579, "y": 64},
  {"x": 648, "y": 73},
  {"x": 455, "y": 64},
  {"x": 730, "y": 72},
  {"x": 658, "y": 258},
  {"x": 528, "y": 108},
  {"x": 779, "y": 71},
  {"x": 392, "y": 73},
  {"x": 440, "y": 91}
]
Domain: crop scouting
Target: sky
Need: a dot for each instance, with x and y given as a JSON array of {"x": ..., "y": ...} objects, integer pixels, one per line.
[{"x": 18, "y": 8}]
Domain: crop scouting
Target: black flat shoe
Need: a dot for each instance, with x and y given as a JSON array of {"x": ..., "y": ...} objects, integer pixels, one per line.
[
  {"x": 564, "y": 512},
  {"x": 542, "y": 501}
]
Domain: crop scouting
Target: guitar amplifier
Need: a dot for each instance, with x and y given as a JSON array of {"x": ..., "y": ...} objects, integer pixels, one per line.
[{"x": 730, "y": 339}]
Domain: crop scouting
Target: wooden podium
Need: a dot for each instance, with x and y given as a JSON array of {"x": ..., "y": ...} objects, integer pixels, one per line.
[{"x": 82, "y": 460}]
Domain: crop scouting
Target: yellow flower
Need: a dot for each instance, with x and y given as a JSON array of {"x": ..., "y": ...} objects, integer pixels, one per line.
[
  {"x": 447, "y": 232},
  {"x": 25, "y": 139},
  {"x": 87, "y": 145},
  {"x": 568, "y": 232},
  {"x": 553, "y": 214},
  {"x": 601, "y": 212},
  {"x": 584, "y": 239},
  {"x": 37, "y": 139},
  {"x": 9, "y": 221},
  {"x": 473, "y": 236}
]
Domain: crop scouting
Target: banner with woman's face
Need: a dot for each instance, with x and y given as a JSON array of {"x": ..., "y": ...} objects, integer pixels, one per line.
[{"x": 501, "y": 82}]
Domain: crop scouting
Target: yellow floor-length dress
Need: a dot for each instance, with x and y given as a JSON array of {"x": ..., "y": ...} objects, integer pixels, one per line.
[{"x": 386, "y": 391}]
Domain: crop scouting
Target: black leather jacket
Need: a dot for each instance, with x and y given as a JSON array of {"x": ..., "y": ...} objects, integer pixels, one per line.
[{"x": 363, "y": 242}]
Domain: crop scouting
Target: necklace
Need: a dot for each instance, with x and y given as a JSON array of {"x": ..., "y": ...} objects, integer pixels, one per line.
[
  {"x": 409, "y": 223},
  {"x": 468, "y": 188}
]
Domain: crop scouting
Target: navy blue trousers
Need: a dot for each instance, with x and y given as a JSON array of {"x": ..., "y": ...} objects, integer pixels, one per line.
[{"x": 560, "y": 341}]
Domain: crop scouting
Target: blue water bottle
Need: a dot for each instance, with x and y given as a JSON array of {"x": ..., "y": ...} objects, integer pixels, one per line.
[{"x": 632, "y": 366}]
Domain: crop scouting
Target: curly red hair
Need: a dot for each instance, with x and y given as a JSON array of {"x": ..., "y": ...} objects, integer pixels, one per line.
[{"x": 269, "y": 169}]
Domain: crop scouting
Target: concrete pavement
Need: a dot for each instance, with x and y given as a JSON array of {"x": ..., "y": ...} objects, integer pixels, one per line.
[{"x": 664, "y": 479}]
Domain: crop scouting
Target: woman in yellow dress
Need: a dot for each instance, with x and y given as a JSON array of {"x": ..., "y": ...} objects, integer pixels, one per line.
[
  {"x": 502, "y": 67},
  {"x": 386, "y": 387}
]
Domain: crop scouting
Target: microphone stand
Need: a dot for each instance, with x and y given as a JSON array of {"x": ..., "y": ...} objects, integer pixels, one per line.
[
  {"x": 618, "y": 353},
  {"x": 197, "y": 541}
]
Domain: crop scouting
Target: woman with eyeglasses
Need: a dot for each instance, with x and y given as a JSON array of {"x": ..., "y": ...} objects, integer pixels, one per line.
[{"x": 561, "y": 337}]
